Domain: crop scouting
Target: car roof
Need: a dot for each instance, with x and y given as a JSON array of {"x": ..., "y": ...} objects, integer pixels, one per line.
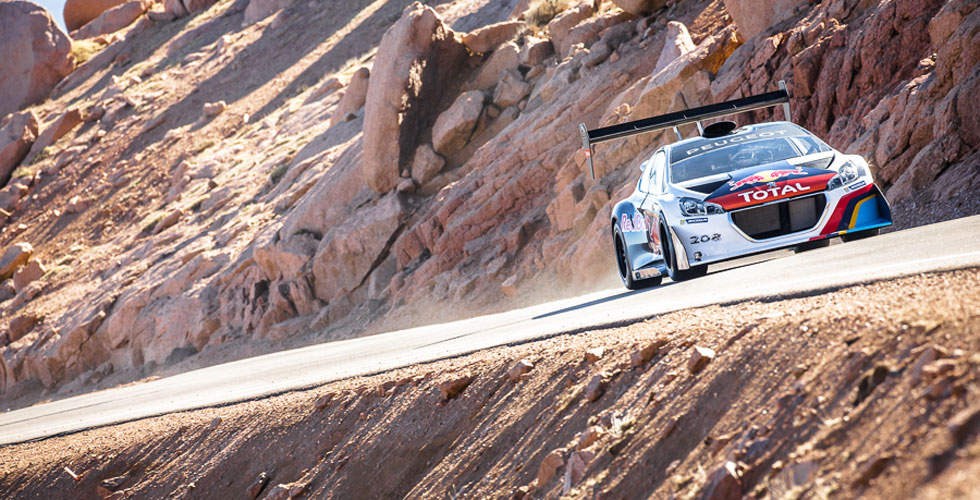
[{"x": 698, "y": 144}]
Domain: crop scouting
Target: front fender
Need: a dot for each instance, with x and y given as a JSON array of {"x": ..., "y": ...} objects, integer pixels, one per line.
[{"x": 635, "y": 226}]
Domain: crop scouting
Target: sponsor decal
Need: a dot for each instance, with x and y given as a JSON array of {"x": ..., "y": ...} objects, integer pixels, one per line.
[
  {"x": 773, "y": 192},
  {"x": 765, "y": 177},
  {"x": 856, "y": 185},
  {"x": 637, "y": 223},
  {"x": 720, "y": 143},
  {"x": 698, "y": 220}
]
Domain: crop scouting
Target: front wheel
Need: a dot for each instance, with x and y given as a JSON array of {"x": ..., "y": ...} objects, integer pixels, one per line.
[
  {"x": 625, "y": 268},
  {"x": 670, "y": 258},
  {"x": 860, "y": 235}
]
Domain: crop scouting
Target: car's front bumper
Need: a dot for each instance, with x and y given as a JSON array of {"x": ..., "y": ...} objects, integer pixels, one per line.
[{"x": 715, "y": 238}]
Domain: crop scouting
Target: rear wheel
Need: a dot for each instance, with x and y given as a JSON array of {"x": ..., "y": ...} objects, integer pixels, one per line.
[
  {"x": 667, "y": 249},
  {"x": 812, "y": 245},
  {"x": 625, "y": 268},
  {"x": 860, "y": 235}
]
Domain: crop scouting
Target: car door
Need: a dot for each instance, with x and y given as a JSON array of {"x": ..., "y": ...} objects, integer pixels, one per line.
[{"x": 656, "y": 187}]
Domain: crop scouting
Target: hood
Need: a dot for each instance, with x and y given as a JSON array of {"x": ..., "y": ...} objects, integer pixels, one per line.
[{"x": 770, "y": 182}]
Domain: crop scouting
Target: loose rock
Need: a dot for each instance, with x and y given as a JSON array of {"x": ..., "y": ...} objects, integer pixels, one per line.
[
  {"x": 724, "y": 483},
  {"x": 549, "y": 466},
  {"x": 13, "y": 258},
  {"x": 30, "y": 272},
  {"x": 700, "y": 357},
  {"x": 453, "y": 386},
  {"x": 212, "y": 109},
  {"x": 520, "y": 368},
  {"x": 257, "y": 486}
]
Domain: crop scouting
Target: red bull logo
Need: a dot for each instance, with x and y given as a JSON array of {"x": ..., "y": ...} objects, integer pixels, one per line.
[{"x": 764, "y": 176}]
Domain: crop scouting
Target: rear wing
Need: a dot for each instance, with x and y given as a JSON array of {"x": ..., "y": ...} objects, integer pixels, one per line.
[{"x": 671, "y": 120}]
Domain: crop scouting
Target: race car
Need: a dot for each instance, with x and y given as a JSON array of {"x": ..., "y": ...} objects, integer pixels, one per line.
[{"x": 734, "y": 191}]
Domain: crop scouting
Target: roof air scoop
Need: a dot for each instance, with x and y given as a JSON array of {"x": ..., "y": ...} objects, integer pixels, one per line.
[{"x": 719, "y": 129}]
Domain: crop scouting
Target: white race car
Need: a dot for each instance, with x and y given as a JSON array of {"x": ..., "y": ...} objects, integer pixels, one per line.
[{"x": 735, "y": 191}]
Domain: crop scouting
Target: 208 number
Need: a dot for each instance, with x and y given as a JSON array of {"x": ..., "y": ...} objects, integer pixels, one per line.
[{"x": 704, "y": 238}]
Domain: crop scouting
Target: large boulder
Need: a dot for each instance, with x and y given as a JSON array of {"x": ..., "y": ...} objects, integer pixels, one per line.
[
  {"x": 677, "y": 44},
  {"x": 490, "y": 37},
  {"x": 112, "y": 20},
  {"x": 505, "y": 58},
  {"x": 16, "y": 136},
  {"x": 36, "y": 55},
  {"x": 454, "y": 126},
  {"x": 354, "y": 97},
  {"x": 417, "y": 60},
  {"x": 640, "y": 7},
  {"x": 753, "y": 17},
  {"x": 78, "y": 13},
  {"x": 562, "y": 24}
]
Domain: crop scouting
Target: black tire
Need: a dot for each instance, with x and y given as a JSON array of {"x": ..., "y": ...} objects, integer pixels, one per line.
[
  {"x": 667, "y": 249},
  {"x": 812, "y": 245},
  {"x": 860, "y": 235},
  {"x": 624, "y": 266}
]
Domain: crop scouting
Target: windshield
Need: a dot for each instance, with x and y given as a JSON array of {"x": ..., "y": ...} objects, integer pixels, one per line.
[{"x": 731, "y": 158}]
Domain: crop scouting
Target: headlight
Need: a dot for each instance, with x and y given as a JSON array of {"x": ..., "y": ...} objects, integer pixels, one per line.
[
  {"x": 847, "y": 173},
  {"x": 691, "y": 207}
]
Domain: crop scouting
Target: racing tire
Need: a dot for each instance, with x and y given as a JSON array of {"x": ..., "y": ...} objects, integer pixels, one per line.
[
  {"x": 671, "y": 260},
  {"x": 812, "y": 245},
  {"x": 860, "y": 235},
  {"x": 624, "y": 266}
]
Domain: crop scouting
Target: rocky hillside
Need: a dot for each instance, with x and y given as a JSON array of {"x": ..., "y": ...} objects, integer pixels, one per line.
[
  {"x": 216, "y": 180},
  {"x": 867, "y": 392}
]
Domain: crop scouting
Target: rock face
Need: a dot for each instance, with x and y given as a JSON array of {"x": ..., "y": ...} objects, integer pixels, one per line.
[
  {"x": 454, "y": 126},
  {"x": 354, "y": 97},
  {"x": 112, "y": 20},
  {"x": 346, "y": 254},
  {"x": 36, "y": 55},
  {"x": 416, "y": 61},
  {"x": 755, "y": 16},
  {"x": 78, "y": 13},
  {"x": 16, "y": 137}
]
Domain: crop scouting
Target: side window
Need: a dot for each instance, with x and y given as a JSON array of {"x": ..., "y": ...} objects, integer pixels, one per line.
[
  {"x": 645, "y": 177},
  {"x": 659, "y": 167}
]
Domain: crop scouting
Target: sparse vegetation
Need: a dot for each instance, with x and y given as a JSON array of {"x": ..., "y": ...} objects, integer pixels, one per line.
[
  {"x": 204, "y": 147},
  {"x": 41, "y": 155},
  {"x": 541, "y": 12},
  {"x": 276, "y": 174},
  {"x": 150, "y": 222},
  {"x": 59, "y": 269},
  {"x": 84, "y": 50}
]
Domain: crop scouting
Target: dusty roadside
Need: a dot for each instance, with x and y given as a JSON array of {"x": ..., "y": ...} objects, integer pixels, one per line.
[{"x": 870, "y": 391}]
